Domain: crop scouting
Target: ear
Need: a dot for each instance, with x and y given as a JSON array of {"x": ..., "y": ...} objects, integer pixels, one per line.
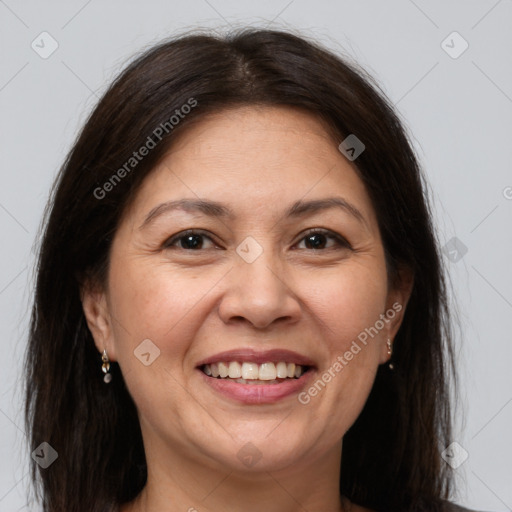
[
  {"x": 396, "y": 303},
  {"x": 95, "y": 307}
]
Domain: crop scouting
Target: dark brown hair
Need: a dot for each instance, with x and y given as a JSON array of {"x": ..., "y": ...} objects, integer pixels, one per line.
[{"x": 391, "y": 455}]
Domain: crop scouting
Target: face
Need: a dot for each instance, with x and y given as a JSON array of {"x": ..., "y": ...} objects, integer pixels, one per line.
[{"x": 252, "y": 250}]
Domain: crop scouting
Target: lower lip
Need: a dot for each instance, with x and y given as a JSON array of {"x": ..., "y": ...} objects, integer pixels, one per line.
[{"x": 258, "y": 393}]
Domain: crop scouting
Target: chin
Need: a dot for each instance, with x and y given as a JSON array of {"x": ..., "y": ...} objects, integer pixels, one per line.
[{"x": 263, "y": 451}]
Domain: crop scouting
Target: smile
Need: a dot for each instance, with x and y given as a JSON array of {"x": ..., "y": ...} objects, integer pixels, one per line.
[
  {"x": 254, "y": 373},
  {"x": 254, "y": 377}
]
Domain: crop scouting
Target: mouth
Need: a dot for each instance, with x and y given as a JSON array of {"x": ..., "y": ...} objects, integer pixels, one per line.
[{"x": 257, "y": 377}]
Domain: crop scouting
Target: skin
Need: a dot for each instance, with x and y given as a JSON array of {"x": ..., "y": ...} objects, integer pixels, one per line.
[{"x": 194, "y": 303}]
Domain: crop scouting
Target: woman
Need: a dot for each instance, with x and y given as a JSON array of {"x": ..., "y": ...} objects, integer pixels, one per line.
[{"x": 240, "y": 302}]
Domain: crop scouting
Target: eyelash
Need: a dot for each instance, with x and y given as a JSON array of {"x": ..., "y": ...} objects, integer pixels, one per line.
[{"x": 341, "y": 242}]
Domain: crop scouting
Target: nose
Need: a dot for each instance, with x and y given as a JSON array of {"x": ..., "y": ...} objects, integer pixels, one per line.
[{"x": 258, "y": 293}]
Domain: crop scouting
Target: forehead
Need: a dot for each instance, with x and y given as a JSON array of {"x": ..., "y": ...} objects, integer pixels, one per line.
[
  {"x": 248, "y": 136},
  {"x": 252, "y": 157}
]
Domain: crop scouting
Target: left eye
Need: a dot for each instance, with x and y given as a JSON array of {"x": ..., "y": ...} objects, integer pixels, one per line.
[{"x": 320, "y": 240}]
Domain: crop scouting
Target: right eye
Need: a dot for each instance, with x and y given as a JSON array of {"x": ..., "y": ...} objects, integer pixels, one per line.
[{"x": 189, "y": 240}]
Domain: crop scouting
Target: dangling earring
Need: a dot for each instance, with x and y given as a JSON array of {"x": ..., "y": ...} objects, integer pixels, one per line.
[
  {"x": 390, "y": 352},
  {"x": 105, "y": 367}
]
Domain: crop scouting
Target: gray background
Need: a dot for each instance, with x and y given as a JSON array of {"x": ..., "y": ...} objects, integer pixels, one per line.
[{"x": 458, "y": 110}]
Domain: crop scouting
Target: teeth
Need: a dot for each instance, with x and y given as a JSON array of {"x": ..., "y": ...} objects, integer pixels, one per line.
[
  {"x": 235, "y": 370},
  {"x": 250, "y": 371},
  {"x": 257, "y": 382},
  {"x": 281, "y": 371},
  {"x": 267, "y": 371},
  {"x": 223, "y": 370},
  {"x": 253, "y": 373}
]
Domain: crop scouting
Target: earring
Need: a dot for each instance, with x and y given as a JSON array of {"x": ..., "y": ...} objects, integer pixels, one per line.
[
  {"x": 105, "y": 367},
  {"x": 390, "y": 352}
]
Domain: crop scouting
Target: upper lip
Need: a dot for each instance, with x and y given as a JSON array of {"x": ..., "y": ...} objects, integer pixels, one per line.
[{"x": 258, "y": 356}]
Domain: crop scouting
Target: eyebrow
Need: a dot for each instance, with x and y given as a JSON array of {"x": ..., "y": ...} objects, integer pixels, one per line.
[
  {"x": 301, "y": 208},
  {"x": 208, "y": 208},
  {"x": 217, "y": 210}
]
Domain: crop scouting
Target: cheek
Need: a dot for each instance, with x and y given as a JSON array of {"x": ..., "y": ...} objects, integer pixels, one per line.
[
  {"x": 346, "y": 305},
  {"x": 154, "y": 301},
  {"x": 346, "y": 302}
]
